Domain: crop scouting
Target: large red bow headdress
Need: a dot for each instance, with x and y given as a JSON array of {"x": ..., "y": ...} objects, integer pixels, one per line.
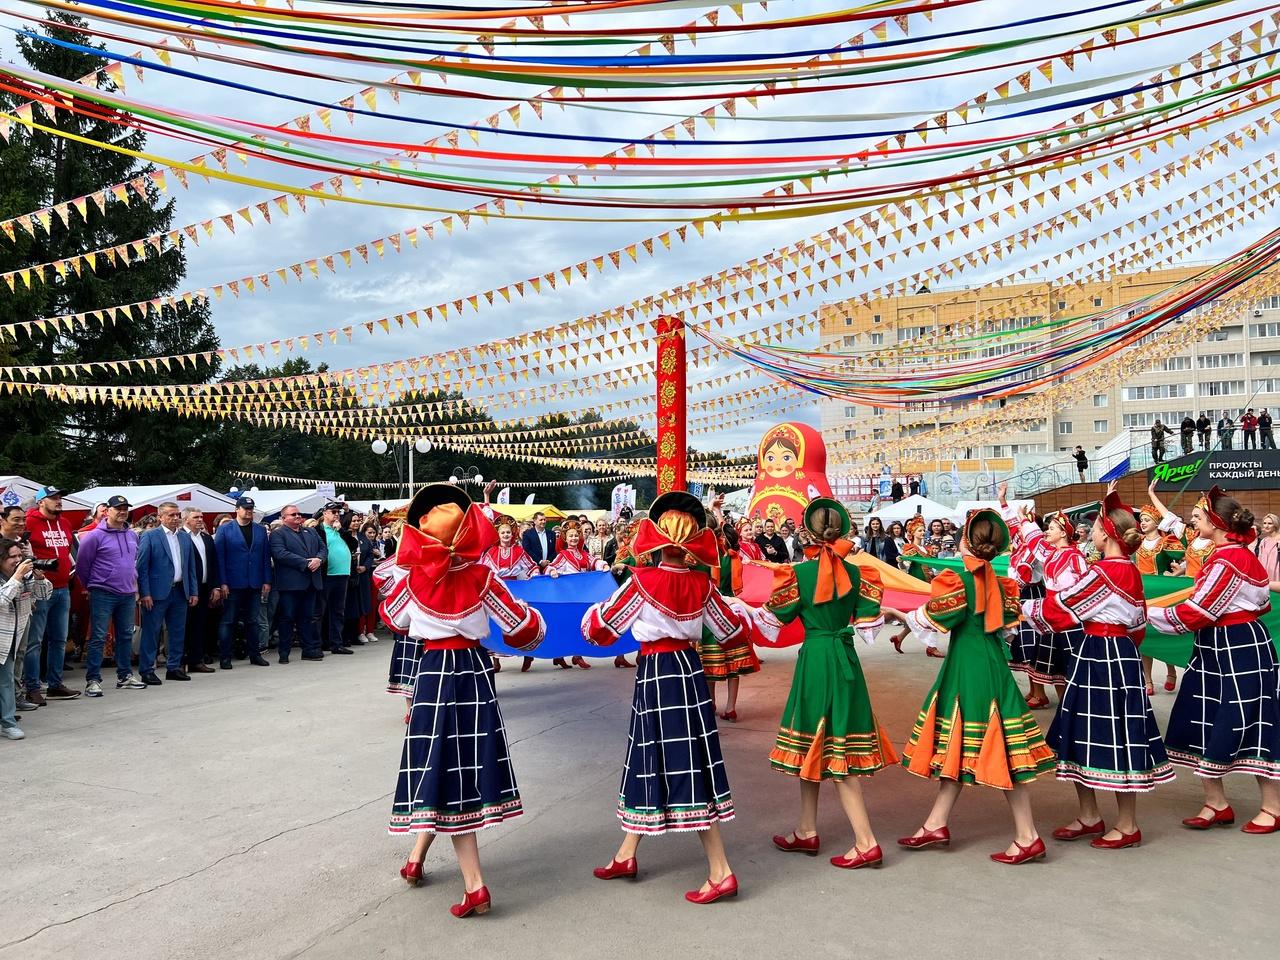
[
  {"x": 444, "y": 532},
  {"x": 1205, "y": 504},
  {"x": 681, "y": 521}
]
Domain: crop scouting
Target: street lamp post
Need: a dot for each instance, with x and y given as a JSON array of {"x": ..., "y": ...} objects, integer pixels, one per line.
[
  {"x": 421, "y": 445},
  {"x": 465, "y": 475}
]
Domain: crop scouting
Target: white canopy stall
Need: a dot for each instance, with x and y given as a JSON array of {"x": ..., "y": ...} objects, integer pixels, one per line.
[
  {"x": 267, "y": 504},
  {"x": 905, "y": 509},
  {"x": 17, "y": 491},
  {"x": 144, "y": 500}
]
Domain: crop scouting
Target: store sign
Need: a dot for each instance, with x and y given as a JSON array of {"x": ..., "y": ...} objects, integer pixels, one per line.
[{"x": 1229, "y": 469}]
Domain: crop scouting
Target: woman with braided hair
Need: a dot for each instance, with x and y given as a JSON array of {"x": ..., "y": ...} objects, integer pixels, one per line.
[
  {"x": 1227, "y": 716},
  {"x": 829, "y": 731}
]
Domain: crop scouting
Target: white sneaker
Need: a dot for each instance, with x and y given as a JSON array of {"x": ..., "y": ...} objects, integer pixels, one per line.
[
  {"x": 370, "y": 638},
  {"x": 12, "y": 733},
  {"x": 93, "y": 688},
  {"x": 131, "y": 682}
]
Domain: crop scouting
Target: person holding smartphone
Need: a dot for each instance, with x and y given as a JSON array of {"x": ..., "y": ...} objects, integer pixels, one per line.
[{"x": 23, "y": 585}]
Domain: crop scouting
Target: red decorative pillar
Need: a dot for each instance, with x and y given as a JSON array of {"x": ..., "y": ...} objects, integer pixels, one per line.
[{"x": 670, "y": 374}]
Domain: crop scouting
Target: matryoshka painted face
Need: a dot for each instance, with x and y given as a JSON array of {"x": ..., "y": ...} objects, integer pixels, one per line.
[{"x": 779, "y": 461}]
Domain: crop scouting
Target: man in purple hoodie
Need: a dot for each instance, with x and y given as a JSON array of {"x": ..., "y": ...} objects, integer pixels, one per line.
[{"x": 107, "y": 566}]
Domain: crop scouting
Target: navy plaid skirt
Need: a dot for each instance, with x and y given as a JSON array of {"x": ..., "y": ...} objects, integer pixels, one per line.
[
  {"x": 1051, "y": 655},
  {"x": 1105, "y": 734},
  {"x": 674, "y": 778},
  {"x": 455, "y": 769},
  {"x": 404, "y": 665},
  {"x": 1022, "y": 642},
  {"x": 1227, "y": 715}
]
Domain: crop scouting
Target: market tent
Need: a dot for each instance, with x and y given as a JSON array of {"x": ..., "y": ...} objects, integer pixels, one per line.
[
  {"x": 144, "y": 500},
  {"x": 16, "y": 491},
  {"x": 905, "y": 509},
  {"x": 269, "y": 503},
  {"x": 525, "y": 511}
]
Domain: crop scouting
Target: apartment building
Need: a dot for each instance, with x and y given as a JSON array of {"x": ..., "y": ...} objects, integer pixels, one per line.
[{"x": 1237, "y": 366}]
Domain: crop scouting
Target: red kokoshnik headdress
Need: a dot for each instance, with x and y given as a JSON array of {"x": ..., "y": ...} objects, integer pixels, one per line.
[
  {"x": 1205, "y": 503},
  {"x": 1112, "y": 502},
  {"x": 1069, "y": 528}
]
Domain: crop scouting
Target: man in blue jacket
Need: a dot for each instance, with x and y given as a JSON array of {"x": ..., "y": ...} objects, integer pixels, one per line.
[
  {"x": 167, "y": 585},
  {"x": 539, "y": 542},
  {"x": 244, "y": 560},
  {"x": 300, "y": 556}
]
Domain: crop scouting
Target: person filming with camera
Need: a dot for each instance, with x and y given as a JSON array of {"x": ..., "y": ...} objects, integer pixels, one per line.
[{"x": 22, "y": 585}]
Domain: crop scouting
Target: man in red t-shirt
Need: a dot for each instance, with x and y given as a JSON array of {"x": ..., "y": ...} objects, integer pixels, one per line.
[{"x": 50, "y": 540}]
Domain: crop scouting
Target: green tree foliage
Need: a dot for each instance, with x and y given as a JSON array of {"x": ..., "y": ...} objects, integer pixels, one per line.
[{"x": 77, "y": 445}]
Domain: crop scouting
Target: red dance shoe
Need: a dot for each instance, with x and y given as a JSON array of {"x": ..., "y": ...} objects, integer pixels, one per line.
[
  {"x": 1084, "y": 830},
  {"x": 728, "y": 887},
  {"x": 497, "y": 665},
  {"x": 1151, "y": 689},
  {"x": 730, "y": 715},
  {"x": 622, "y": 663},
  {"x": 626, "y": 870},
  {"x": 794, "y": 844},
  {"x": 579, "y": 662},
  {"x": 412, "y": 872},
  {"x": 870, "y": 858},
  {"x": 1119, "y": 843},
  {"x": 1032, "y": 851},
  {"x": 528, "y": 662},
  {"x": 1257, "y": 828},
  {"x": 406, "y": 717},
  {"x": 477, "y": 902},
  {"x": 559, "y": 662},
  {"x": 897, "y": 639},
  {"x": 1038, "y": 703},
  {"x": 1171, "y": 683},
  {"x": 1221, "y": 818},
  {"x": 935, "y": 653},
  {"x": 940, "y": 837}
]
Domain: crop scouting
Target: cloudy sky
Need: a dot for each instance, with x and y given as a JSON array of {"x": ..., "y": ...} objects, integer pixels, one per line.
[{"x": 502, "y": 252}]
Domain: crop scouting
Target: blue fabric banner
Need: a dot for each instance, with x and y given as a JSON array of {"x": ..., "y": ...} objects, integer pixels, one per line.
[{"x": 564, "y": 601}]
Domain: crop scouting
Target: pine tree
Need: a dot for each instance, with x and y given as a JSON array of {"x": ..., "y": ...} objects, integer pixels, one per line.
[{"x": 73, "y": 446}]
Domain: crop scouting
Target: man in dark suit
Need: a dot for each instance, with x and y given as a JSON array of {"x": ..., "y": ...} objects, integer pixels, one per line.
[
  {"x": 202, "y": 619},
  {"x": 539, "y": 542},
  {"x": 300, "y": 556},
  {"x": 244, "y": 560},
  {"x": 167, "y": 586}
]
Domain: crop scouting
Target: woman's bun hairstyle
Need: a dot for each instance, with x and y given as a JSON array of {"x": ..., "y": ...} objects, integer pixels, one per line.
[
  {"x": 826, "y": 524},
  {"x": 1238, "y": 519},
  {"x": 984, "y": 538}
]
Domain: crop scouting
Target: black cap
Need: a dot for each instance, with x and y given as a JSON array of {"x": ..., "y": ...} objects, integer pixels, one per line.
[
  {"x": 682, "y": 501},
  {"x": 117, "y": 501},
  {"x": 246, "y": 502}
]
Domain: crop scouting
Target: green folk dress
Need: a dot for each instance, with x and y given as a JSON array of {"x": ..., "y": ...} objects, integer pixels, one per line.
[
  {"x": 974, "y": 726},
  {"x": 828, "y": 730}
]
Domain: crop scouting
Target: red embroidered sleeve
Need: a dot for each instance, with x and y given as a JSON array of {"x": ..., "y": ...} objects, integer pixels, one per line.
[
  {"x": 606, "y": 621},
  {"x": 521, "y": 625},
  {"x": 725, "y": 623}
]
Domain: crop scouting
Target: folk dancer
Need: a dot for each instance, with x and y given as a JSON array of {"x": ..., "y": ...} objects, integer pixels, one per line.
[
  {"x": 455, "y": 769},
  {"x": 674, "y": 776},
  {"x": 508, "y": 559},
  {"x": 1105, "y": 734},
  {"x": 1154, "y": 542},
  {"x": 573, "y": 557},
  {"x": 1062, "y": 564},
  {"x": 829, "y": 731},
  {"x": 974, "y": 726},
  {"x": 1226, "y": 718}
]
